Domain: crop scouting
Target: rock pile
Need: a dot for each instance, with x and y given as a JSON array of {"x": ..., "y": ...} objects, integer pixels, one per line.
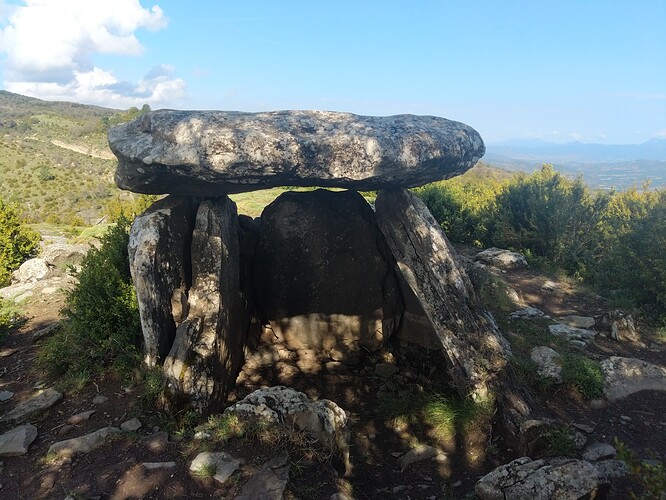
[{"x": 320, "y": 270}]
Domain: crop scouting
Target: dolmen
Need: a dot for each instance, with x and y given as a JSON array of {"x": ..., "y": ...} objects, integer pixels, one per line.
[{"x": 322, "y": 269}]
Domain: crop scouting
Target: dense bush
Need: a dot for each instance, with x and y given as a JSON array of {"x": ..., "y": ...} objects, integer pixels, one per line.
[
  {"x": 102, "y": 327},
  {"x": 17, "y": 242},
  {"x": 612, "y": 241}
]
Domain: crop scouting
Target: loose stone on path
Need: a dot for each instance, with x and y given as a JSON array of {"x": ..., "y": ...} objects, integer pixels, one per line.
[
  {"x": 82, "y": 444},
  {"x": 17, "y": 441},
  {"x": 225, "y": 465},
  {"x": 39, "y": 402}
]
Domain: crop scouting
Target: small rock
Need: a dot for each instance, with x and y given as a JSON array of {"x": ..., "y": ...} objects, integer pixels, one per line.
[
  {"x": 550, "y": 286},
  {"x": 457, "y": 484},
  {"x": 578, "y": 321},
  {"x": 157, "y": 442},
  {"x": 17, "y": 441},
  {"x": 42, "y": 333},
  {"x": 158, "y": 465},
  {"x": 399, "y": 488},
  {"x": 585, "y": 428},
  {"x": 335, "y": 366},
  {"x": 5, "y": 353},
  {"x": 99, "y": 399},
  {"x": 5, "y": 395},
  {"x": 503, "y": 259},
  {"x": 225, "y": 465},
  {"x": 65, "y": 429},
  {"x": 80, "y": 417},
  {"x": 548, "y": 362},
  {"x": 625, "y": 418},
  {"x": 385, "y": 370},
  {"x": 202, "y": 436},
  {"x": 131, "y": 425},
  {"x": 418, "y": 454},
  {"x": 395, "y": 454},
  {"x": 39, "y": 402},
  {"x": 527, "y": 313},
  {"x": 598, "y": 451}
]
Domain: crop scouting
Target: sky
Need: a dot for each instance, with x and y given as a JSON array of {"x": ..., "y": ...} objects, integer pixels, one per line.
[{"x": 566, "y": 70}]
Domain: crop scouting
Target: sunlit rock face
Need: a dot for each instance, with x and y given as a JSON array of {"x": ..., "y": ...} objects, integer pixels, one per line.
[{"x": 210, "y": 153}]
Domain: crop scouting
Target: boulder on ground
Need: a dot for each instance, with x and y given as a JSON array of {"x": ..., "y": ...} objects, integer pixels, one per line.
[
  {"x": 210, "y": 153},
  {"x": 527, "y": 479},
  {"x": 60, "y": 255},
  {"x": 82, "y": 444},
  {"x": 323, "y": 276},
  {"x": 322, "y": 420},
  {"x": 32, "y": 270},
  {"x": 41, "y": 401},
  {"x": 549, "y": 364},
  {"x": 502, "y": 259},
  {"x": 625, "y": 376},
  {"x": 17, "y": 441}
]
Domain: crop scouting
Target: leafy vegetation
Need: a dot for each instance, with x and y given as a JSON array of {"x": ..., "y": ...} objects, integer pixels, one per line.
[
  {"x": 17, "y": 242},
  {"x": 650, "y": 474},
  {"x": 102, "y": 328},
  {"x": 611, "y": 241},
  {"x": 9, "y": 316}
]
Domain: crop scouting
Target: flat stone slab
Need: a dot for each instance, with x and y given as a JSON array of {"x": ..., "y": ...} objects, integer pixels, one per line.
[
  {"x": 82, "y": 444},
  {"x": 39, "y": 402},
  {"x": 209, "y": 153},
  {"x": 269, "y": 482},
  {"x": 17, "y": 441},
  {"x": 223, "y": 463},
  {"x": 625, "y": 376},
  {"x": 525, "y": 478}
]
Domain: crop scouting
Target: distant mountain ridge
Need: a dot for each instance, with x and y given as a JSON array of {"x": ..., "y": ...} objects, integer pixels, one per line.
[
  {"x": 603, "y": 166},
  {"x": 654, "y": 149}
]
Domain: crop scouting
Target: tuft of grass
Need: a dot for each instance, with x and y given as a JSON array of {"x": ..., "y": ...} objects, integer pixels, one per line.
[
  {"x": 583, "y": 374},
  {"x": 560, "y": 443},
  {"x": 441, "y": 415},
  {"x": 494, "y": 295},
  {"x": 206, "y": 471},
  {"x": 525, "y": 371}
]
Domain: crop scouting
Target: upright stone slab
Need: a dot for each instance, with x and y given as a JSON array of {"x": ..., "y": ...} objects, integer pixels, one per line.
[
  {"x": 323, "y": 276},
  {"x": 159, "y": 247},
  {"x": 475, "y": 349},
  {"x": 208, "y": 350},
  {"x": 209, "y": 153}
]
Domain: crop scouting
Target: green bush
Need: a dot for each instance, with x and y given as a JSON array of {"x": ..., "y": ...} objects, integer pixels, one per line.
[
  {"x": 102, "y": 328},
  {"x": 17, "y": 242},
  {"x": 9, "y": 316},
  {"x": 584, "y": 374}
]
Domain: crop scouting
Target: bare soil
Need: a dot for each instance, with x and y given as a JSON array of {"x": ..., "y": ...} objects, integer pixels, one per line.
[{"x": 115, "y": 471}]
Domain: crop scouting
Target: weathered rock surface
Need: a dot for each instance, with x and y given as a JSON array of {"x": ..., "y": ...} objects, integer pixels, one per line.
[
  {"x": 322, "y": 420},
  {"x": 548, "y": 362},
  {"x": 39, "y": 402},
  {"x": 31, "y": 270},
  {"x": 159, "y": 249},
  {"x": 527, "y": 313},
  {"x": 468, "y": 336},
  {"x": 323, "y": 275},
  {"x": 269, "y": 482},
  {"x": 6, "y": 395},
  {"x": 225, "y": 465},
  {"x": 131, "y": 425},
  {"x": 82, "y": 444},
  {"x": 419, "y": 454},
  {"x": 209, "y": 153},
  {"x": 598, "y": 451},
  {"x": 208, "y": 349},
  {"x": 503, "y": 259},
  {"x": 79, "y": 418},
  {"x": 60, "y": 255},
  {"x": 529, "y": 479},
  {"x": 577, "y": 321},
  {"x": 625, "y": 376},
  {"x": 17, "y": 441},
  {"x": 577, "y": 336}
]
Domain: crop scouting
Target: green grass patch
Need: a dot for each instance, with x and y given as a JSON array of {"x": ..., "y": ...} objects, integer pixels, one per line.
[
  {"x": 584, "y": 374},
  {"x": 560, "y": 443},
  {"x": 10, "y": 316},
  {"x": 254, "y": 202},
  {"x": 436, "y": 413},
  {"x": 494, "y": 294}
]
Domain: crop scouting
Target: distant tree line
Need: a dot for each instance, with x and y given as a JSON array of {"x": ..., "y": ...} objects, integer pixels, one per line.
[{"x": 613, "y": 241}]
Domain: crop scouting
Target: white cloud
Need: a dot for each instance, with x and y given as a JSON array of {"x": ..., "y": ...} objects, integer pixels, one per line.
[
  {"x": 50, "y": 44},
  {"x": 661, "y": 134}
]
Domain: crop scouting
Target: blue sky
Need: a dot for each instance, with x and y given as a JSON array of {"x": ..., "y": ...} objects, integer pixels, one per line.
[{"x": 593, "y": 71}]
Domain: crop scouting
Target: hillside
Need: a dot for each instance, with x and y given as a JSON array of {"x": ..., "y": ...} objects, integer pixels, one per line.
[{"x": 54, "y": 158}]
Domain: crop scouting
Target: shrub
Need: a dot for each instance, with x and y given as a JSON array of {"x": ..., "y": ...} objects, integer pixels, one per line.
[
  {"x": 9, "y": 316},
  {"x": 102, "y": 327},
  {"x": 17, "y": 242},
  {"x": 584, "y": 374}
]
